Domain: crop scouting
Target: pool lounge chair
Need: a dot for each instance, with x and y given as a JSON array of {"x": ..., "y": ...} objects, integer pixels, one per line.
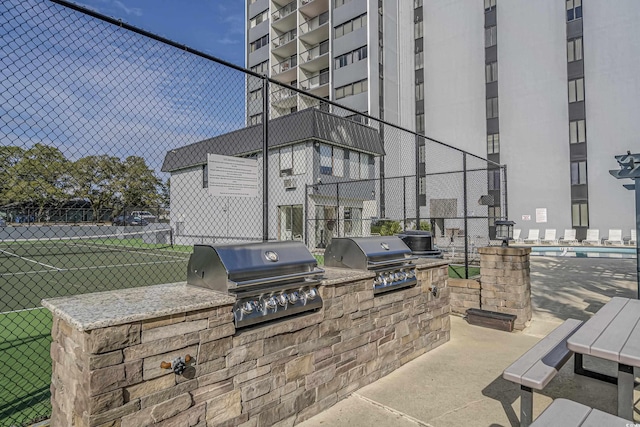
[
  {"x": 534, "y": 237},
  {"x": 549, "y": 237},
  {"x": 569, "y": 237},
  {"x": 614, "y": 238},
  {"x": 633, "y": 241},
  {"x": 593, "y": 237},
  {"x": 516, "y": 235}
]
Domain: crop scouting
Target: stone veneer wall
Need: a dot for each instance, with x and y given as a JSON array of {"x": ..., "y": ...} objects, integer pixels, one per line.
[
  {"x": 274, "y": 375},
  {"x": 465, "y": 294},
  {"x": 505, "y": 282}
]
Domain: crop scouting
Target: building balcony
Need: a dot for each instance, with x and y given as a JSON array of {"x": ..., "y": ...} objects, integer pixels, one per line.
[
  {"x": 316, "y": 58},
  {"x": 313, "y": 8},
  {"x": 315, "y": 30},
  {"x": 285, "y": 70},
  {"x": 285, "y": 45},
  {"x": 317, "y": 85},
  {"x": 283, "y": 97},
  {"x": 284, "y": 18}
]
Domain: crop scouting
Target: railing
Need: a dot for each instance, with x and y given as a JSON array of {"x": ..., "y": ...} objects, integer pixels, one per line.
[
  {"x": 285, "y": 38},
  {"x": 314, "y": 23},
  {"x": 315, "y": 52},
  {"x": 281, "y": 94},
  {"x": 315, "y": 81},
  {"x": 284, "y": 11},
  {"x": 283, "y": 66}
]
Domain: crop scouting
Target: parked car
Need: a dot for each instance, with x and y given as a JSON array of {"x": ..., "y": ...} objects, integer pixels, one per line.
[
  {"x": 146, "y": 215},
  {"x": 3, "y": 223},
  {"x": 129, "y": 220}
]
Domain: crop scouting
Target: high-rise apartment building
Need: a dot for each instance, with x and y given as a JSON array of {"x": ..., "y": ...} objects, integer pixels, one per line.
[{"x": 549, "y": 88}]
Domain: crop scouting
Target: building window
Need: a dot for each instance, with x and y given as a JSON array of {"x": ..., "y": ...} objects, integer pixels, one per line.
[
  {"x": 491, "y": 72},
  {"x": 495, "y": 212},
  {"x": 576, "y": 90},
  {"x": 420, "y": 123},
  {"x": 578, "y": 173},
  {"x": 353, "y": 221},
  {"x": 351, "y": 89},
  {"x": 574, "y": 10},
  {"x": 580, "y": 214},
  {"x": 255, "y": 95},
  {"x": 349, "y": 26},
  {"x": 291, "y": 220},
  {"x": 574, "y": 49},
  {"x": 259, "y": 18},
  {"x": 419, "y": 60},
  {"x": 422, "y": 185},
  {"x": 205, "y": 175},
  {"x": 359, "y": 165},
  {"x": 422, "y": 152},
  {"x": 331, "y": 160},
  {"x": 577, "y": 132},
  {"x": 489, "y": 5},
  {"x": 255, "y": 119},
  {"x": 261, "y": 68},
  {"x": 417, "y": 4},
  {"x": 351, "y": 57},
  {"x": 494, "y": 179},
  {"x": 492, "y": 108},
  {"x": 261, "y": 42},
  {"x": 418, "y": 30},
  {"x": 493, "y": 143},
  {"x": 490, "y": 36},
  {"x": 420, "y": 91}
]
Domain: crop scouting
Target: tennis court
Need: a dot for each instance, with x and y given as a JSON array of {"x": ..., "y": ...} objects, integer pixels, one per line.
[{"x": 33, "y": 269}]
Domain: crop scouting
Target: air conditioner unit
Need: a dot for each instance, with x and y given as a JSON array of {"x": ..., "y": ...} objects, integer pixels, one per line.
[{"x": 290, "y": 183}]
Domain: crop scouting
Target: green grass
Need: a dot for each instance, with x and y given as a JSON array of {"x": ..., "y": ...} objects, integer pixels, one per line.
[
  {"x": 457, "y": 271},
  {"x": 25, "y": 371},
  {"x": 37, "y": 271}
]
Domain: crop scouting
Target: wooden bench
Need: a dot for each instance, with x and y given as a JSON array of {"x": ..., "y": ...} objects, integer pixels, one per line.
[
  {"x": 538, "y": 366},
  {"x": 567, "y": 413}
]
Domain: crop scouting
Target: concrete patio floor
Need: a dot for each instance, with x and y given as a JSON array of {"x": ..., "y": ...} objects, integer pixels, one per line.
[{"x": 460, "y": 383}]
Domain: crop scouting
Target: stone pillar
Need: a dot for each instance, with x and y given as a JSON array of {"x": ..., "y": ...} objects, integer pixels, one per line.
[{"x": 505, "y": 282}]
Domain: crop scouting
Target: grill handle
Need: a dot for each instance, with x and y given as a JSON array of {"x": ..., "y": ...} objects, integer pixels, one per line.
[
  {"x": 393, "y": 261},
  {"x": 279, "y": 278}
]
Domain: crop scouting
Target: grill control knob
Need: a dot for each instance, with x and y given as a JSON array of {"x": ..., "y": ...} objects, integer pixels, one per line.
[
  {"x": 247, "y": 307},
  {"x": 311, "y": 293},
  {"x": 282, "y": 299},
  {"x": 293, "y": 297},
  {"x": 271, "y": 303}
]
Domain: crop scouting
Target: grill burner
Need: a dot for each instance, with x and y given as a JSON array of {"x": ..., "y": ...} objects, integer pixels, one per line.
[
  {"x": 270, "y": 280},
  {"x": 387, "y": 256}
]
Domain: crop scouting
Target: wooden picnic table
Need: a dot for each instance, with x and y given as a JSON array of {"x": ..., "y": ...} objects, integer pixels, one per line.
[{"x": 613, "y": 333}]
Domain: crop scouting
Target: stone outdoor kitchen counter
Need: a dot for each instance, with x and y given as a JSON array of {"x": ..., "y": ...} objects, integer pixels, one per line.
[{"x": 108, "y": 348}]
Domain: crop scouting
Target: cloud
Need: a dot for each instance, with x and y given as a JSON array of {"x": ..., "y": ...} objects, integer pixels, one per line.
[
  {"x": 128, "y": 10},
  {"x": 228, "y": 40}
]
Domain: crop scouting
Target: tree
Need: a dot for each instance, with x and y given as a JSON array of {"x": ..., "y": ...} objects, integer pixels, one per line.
[
  {"x": 40, "y": 177},
  {"x": 10, "y": 156},
  {"x": 95, "y": 179},
  {"x": 138, "y": 185},
  {"x": 165, "y": 193}
]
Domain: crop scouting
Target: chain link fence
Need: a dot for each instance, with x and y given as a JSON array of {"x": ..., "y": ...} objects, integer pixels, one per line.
[{"x": 120, "y": 150}]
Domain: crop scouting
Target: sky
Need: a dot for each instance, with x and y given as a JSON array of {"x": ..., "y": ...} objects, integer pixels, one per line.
[
  {"x": 215, "y": 27},
  {"x": 88, "y": 87}
]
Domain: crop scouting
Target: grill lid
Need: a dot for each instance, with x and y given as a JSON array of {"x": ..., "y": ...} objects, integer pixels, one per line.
[
  {"x": 222, "y": 266},
  {"x": 364, "y": 253}
]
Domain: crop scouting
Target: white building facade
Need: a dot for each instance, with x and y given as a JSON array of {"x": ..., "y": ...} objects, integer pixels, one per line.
[{"x": 548, "y": 88}]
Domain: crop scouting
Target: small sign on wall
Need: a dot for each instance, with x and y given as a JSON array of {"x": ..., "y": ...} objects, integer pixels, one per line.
[
  {"x": 232, "y": 176},
  {"x": 526, "y": 217},
  {"x": 541, "y": 214}
]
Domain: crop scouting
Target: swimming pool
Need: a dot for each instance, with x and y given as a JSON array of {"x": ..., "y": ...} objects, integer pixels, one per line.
[{"x": 585, "y": 251}]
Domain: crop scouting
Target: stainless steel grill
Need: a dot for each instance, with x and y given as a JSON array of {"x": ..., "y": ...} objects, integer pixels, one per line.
[
  {"x": 421, "y": 243},
  {"x": 270, "y": 280},
  {"x": 387, "y": 256}
]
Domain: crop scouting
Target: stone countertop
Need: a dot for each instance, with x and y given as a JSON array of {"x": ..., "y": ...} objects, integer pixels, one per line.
[
  {"x": 102, "y": 309},
  {"x": 334, "y": 276},
  {"x": 430, "y": 262}
]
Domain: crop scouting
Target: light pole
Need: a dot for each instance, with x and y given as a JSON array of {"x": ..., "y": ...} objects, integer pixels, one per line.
[{"x": 630, "y": 169}]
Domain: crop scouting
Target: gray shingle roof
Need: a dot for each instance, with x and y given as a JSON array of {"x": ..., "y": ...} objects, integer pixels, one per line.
[{"x": 296, "y": 127}]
